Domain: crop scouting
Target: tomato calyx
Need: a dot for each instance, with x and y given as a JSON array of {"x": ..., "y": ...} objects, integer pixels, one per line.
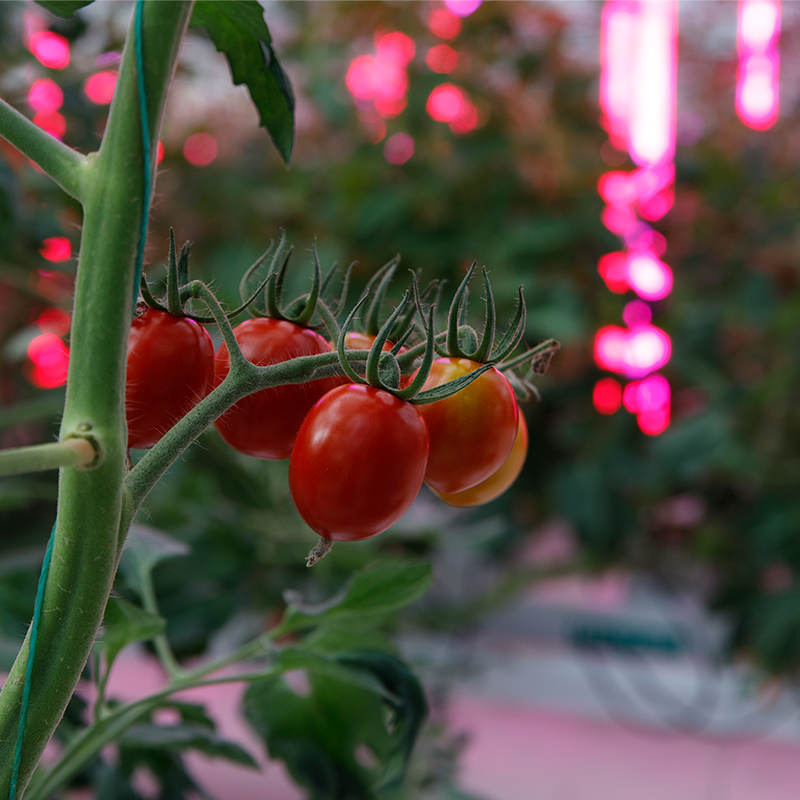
[{"x": 180, "y": 289}]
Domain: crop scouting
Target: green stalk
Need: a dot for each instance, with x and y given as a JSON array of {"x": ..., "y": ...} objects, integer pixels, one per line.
[
  {"x": 75, "y": 452},
  {"x": 68, "y": 168},
  {"x": 90, "y": 503}
]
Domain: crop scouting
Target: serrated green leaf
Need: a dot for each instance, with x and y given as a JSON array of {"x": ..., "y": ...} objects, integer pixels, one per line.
[
  {"x": 144, "y": 548},
  {"x": 338, "y": 740},
  {"x": 63, "y": 8},
  {"x": 123, "y": 624},
  {"x": 376, "y": 590},
  {"x": 238, "y": 31},
  {"x": 186, "y": 737}
]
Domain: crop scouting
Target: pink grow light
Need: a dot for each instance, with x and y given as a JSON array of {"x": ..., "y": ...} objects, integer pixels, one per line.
[{"x": 757, "y": 96}]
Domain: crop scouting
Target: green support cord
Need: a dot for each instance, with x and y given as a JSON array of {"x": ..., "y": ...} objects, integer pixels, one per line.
[
  {"x": 37, "y": 607},
  {"x": 26, "y": 688},
  {"x": 146, "y": 149}
]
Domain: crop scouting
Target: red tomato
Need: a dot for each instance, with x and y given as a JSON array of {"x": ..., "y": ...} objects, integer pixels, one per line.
[
  {"x": 358, "y": 462},
  {"x": 265, "y": 424},
  {"x": 498, "y": 481},
  {"x": 472, "y": 431},
  {"x": 170, "y": 368}
]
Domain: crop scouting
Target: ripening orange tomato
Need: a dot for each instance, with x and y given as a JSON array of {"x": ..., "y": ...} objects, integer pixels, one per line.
[{"x": 493, "y": 486}]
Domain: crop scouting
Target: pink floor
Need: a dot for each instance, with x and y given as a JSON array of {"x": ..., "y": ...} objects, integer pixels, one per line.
[{"x": 524, "y": 753}]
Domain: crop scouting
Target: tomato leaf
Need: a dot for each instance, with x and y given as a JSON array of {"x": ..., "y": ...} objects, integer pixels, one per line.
[
  {"x": 376, "y": 590},
  {"x": 125, "y": 623},
  {"x": 63, "y": 8},
  {"x": 337, "y": 738},
  {"x": 238, "y": 31},
  {"x": 407, "y": 711},
  {"x": 186, "y": 737},
  {"x": 144, "y": 548}
]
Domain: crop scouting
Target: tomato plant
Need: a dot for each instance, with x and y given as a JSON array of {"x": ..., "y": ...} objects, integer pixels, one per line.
[
  {"x": 265, "y": 424},
  {"x": 170, "y": 366},
  {"x": 500, "y": 480},
  {"x": 471, "y": 432},
  {"x": 358, "y": 462}
]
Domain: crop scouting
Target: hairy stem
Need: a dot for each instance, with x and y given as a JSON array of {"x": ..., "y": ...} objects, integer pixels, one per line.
[
  {"x": 68, "y": 168},
  {"x": 91, "y": 502},
  {"x": 75, "y": 452}
]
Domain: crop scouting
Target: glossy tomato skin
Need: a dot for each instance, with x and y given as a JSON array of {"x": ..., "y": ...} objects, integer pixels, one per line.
[
  {"x": 472, "y": 431},
  {"x": 500, "y": 480},
  {"x": 264, "y": 424},
  {"x": 358, "y": 462},
  {"x": 170, "y": 367}
]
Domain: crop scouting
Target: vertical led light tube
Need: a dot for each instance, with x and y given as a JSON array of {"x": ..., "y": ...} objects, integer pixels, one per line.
[
  {"x": 757, "y": 93},
  {"x": 638, "y": 86}
]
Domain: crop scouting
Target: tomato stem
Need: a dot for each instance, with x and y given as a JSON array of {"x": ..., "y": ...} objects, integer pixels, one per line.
[
  {"x": 73, "y": 452},
  {"x": 67, "y": 167},
  {"x": 318, "y": 551}
]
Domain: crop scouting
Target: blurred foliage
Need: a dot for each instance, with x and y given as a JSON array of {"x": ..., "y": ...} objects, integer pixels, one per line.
[{"x": 710, "y": 506}]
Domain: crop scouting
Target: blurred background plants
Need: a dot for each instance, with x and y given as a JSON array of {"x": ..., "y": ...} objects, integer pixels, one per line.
[{"x": 708, "y": 509}]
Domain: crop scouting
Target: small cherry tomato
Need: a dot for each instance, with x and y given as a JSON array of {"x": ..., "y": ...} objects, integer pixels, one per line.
[
  {"x": 170, "y": 368},
  {"x": 264, "y": 424},
  {"x": 472, "y": 431},
  {"x": 358, "y": 462},
  {"x": 493, "y": 486}
]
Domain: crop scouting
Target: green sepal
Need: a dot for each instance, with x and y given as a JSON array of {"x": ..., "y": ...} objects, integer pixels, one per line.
[
  {"x": 341, "y": 349},
  {"x": 451, "y": 387},
  {"x": 377, "y": 287},
  {"x": 515, "y": 331},
  {"x": 376, "y": 351},
  {"x": 174, "y": 304}
]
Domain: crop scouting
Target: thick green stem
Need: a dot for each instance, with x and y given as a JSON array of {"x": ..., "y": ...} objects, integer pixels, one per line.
[
  {"x": 68, "y": 168},
  {"x": 39, "y": 457},
  {"x": 90, "y": 503}
]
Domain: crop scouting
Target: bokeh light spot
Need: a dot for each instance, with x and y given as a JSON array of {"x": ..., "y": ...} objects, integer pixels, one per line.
[
  {"x": 446, "y": 103},
  {"x": 441, "y": 58},
  {"x": 45, "y": 95},
  {"x": 99, "y": 88},
  {"x": 395, "y": 47},
  {"x": 56, "y": 249},
  {"x": 462, "y": 8},
  {"x": 53, "y": 320},
  {"x": 444, "y": 23},
  {"x": 398, "y": 149},
  {"x": 53, "y": 122},
  {"x": 607, "y": 396},
  {"x": 51, "y": 49},
  {"x": 200, "y": 149},
  {"x": 50, "y": 358}
]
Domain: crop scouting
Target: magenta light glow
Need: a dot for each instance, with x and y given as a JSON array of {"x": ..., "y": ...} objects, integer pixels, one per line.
[
  {"x": 462, "y": 8},
  {"x": 617, "y": 51},
  {"x": 441, "y": 58},
  {"x": 607, "y": 396},
  {"x": 51, "y": 49},
  {"x": 99, "y": 88},
  {"x": 56, "y": 249},
  {"x": 399, "y": 148},
  {"x": 652, "y": 111},
  {"x": 53, "y": 122},
  {"x": 50, "y": 358},
  {"x": 613, "y": 269},
  {"x": 200, "y": 149},
  {"x": 45, "y": 95},
  {"x": 395, "y": 47},
  {"x": 446, "y": 103},
  {"x": 444, "y": 24},
  {"x": 653, "y": 422},
  {"x": 636, "y": 313},
  {"x": 757, "y": 94},
  {"x": 648, "y": 276},
  {"x": 632, "y": 352}
]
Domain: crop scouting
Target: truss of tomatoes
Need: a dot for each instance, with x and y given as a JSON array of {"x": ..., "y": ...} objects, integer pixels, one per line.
[{"x": 358, "y": 453}]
